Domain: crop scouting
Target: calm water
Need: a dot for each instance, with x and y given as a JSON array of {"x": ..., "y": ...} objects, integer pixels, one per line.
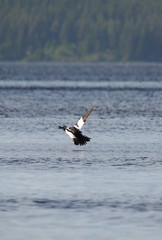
[{"x": 109, "y": 189}]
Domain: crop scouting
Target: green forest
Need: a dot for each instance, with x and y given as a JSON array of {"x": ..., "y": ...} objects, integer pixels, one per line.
[{"x": 81, "y": 30}]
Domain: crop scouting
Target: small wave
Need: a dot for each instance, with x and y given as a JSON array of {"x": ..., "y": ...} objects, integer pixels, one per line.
[
  {"x": 78, "y": 204},
  {"x": 90, "y": 204},
  {"x": 8, "y": 204},
  {"x": 84, "y": 85}
]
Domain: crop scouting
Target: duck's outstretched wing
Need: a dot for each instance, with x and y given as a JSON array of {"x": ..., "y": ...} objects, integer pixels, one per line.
[{"x": 82, "y": 120}]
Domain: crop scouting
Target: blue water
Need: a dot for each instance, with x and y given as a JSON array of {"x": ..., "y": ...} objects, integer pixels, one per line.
[{"x": 109, "y": 189}]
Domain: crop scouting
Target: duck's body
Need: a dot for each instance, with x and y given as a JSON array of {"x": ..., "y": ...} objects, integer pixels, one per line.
[{"x": 75, "y": 131}]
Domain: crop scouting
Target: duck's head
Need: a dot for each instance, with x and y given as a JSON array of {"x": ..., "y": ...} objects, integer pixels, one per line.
[{"x": 63, "y": 127}]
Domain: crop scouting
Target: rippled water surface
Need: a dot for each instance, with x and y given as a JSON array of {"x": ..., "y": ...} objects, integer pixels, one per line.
[{"x": 109, "y": 189}]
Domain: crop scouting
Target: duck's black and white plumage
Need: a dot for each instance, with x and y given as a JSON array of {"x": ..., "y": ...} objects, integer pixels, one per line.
[{"x": 75, "y": 131}]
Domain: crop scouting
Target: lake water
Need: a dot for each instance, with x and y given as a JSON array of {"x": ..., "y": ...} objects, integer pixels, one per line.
[{"x": 110, "y": 188}]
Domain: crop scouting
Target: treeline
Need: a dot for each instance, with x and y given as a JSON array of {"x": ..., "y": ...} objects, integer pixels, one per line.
[{"x": 81, "y": 30}]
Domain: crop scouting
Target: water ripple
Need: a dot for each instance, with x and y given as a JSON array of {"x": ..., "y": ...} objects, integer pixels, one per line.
[{"x": 112, "y": 204}]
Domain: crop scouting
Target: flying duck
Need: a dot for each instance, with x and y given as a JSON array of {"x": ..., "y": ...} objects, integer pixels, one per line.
[{"x": 75, "y": 133}]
